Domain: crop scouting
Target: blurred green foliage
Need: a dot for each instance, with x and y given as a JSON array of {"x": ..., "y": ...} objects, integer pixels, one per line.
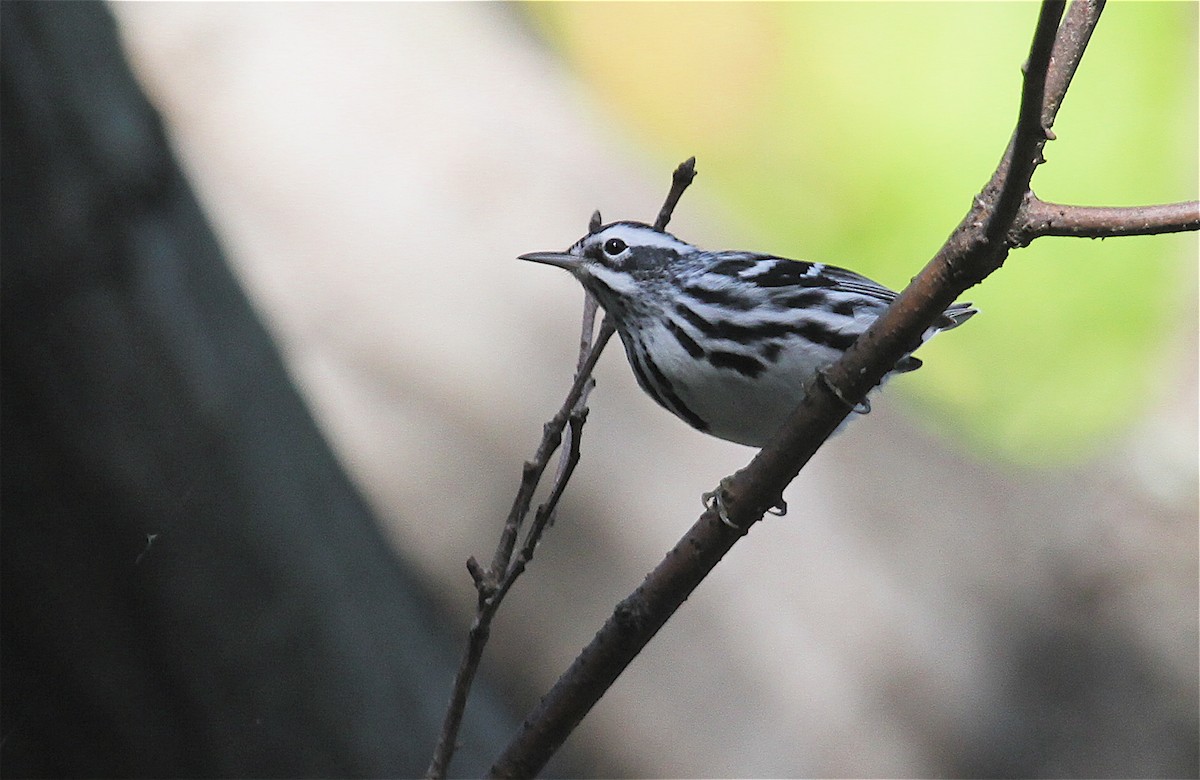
[{"x": 857, "y": 133}]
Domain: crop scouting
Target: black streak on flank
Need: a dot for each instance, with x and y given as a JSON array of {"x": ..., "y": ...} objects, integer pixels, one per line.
[
  {"x": 658, "y": 387},
  {"x": 770, "y": 351},
  {"x": 743, "y": 364},
  {"x": 815, "y": 332},
  {"x": 685, "y": 341},
  {"x": 820, "y": 334},
  {"x": 636, "y": 357},
  {"x": 726, "y": 298},
  {"x": 722, "y": 329},
  {"x": 845, "y": 308},
  {"x": 676, "y": 404}
]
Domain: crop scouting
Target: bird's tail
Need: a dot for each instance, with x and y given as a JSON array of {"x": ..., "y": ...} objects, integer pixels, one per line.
[{"x": 956, "y": 315}]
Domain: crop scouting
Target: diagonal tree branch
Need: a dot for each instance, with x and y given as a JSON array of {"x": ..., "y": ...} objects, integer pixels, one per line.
[
  {"x": 1011, "y": 180},
  {"x": 977, "y": 247},
  {"x": 1069, "y": 45}
]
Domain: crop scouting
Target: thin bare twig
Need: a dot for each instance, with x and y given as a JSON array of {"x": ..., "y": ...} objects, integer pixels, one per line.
[
  {"x": 568, "y": 459},
  {"x": 1039, "y": 218},
  {"x": 532, "y": 471},
  {"x": 976, "y": 248},
  {"x": 494, "y": 583},
  {"x": 1069, "y": 46},
  {"x": 679, "y": 182}
]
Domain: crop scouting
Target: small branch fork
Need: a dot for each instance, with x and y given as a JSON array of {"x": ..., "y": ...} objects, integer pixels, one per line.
[
  {"x": 493, "y": 583},
  {"x": 1004, "y": 215}
]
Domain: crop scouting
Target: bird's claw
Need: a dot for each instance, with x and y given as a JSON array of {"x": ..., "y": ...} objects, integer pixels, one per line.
[
  {"x": 714, "y": 499},
  {"x": 862, "y": 407}
]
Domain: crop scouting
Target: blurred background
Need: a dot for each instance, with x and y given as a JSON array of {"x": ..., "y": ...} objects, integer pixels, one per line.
[{"x": 993, "y": 574}]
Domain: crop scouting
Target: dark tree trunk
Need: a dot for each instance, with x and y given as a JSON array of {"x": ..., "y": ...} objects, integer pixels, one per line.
[{"x": 191, "y": 585}]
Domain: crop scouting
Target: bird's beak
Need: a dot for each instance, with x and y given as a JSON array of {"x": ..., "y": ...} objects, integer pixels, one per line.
[{"x": 560, "y": 259}]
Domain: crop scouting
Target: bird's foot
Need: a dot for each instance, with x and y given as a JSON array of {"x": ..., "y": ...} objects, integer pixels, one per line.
[
  {"x": 716, "y": 499},
  {"x": 862, "y": 407}
]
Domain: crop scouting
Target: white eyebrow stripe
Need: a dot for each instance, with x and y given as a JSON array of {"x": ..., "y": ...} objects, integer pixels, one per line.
[{"x": 638, "y": 235}]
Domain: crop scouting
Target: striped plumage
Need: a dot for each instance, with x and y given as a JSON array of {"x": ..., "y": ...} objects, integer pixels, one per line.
[{"x": 726, "y": 340}]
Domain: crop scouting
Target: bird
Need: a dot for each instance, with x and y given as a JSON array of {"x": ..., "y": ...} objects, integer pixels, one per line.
[{"x": 726, "y": 340}]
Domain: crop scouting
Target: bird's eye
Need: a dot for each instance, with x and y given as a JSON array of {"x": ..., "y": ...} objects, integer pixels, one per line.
[{"x": 614, "y": 247}]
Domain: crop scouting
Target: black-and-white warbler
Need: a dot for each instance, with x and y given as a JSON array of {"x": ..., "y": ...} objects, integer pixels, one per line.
[{"x": 726, "y": 341}]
